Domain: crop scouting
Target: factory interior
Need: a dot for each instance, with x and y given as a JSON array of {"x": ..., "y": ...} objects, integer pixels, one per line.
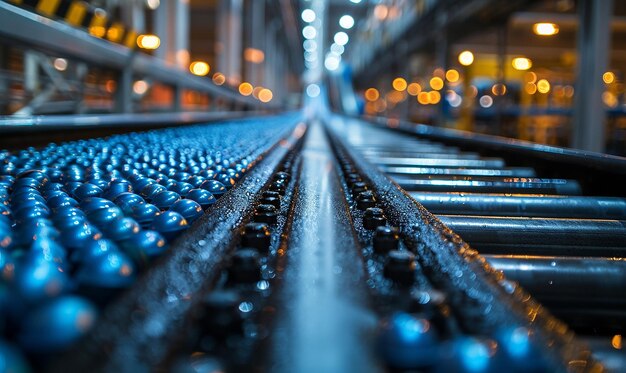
[{"x": 207, "y": 186}]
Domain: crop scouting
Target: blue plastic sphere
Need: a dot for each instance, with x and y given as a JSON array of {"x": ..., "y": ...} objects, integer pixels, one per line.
[
  {"x": 170, "y": 224},
  {"x": 112, "y": 269},
  {"x": 121, "y": 229},
  {"x": 56, "y": 324},
  {"x": 144, "y": 246},
  {"x": 95, "y": 203},
  {"x": 164, "y": 200},
  {"x": 37, "y": 279},
  {"x": 215, "y": 187},
  {"x": 87, "y": 190},
  {"x": 407, "y": 341},
  {"x": 189, "y": 209},
  {"x": 144, "y": 214},
  {"x": 126, "y": 201},
  {"x": 152, "y": 190}
]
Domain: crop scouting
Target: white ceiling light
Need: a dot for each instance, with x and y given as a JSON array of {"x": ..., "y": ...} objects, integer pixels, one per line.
[
  {"x": 332, "y": 61},
  {"x": 309, "y": 32},
  {"x": 310, "y": 56},
  {"x": 346, "y": 22},
  {"x": 313, "y": 90},
  {"x": 336, "y": 48},
  {"x": 308, "y": 15},
  {"x": 355, "y": 1},
  {"x": 341, "y": 38},
  {"x": 310, "y": 45}
]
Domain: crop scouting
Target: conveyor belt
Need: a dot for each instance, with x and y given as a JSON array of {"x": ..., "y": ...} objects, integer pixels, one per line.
[
  {"x": 275, "y": 244},
  {"x": 565, "y": 248}
]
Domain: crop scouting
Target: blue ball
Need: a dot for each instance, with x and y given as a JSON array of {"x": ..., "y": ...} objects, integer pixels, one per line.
[
  {"x": 201, "y": 196},
  {"x": 142, "y": 183},
  {"x": 103, "y": 217},
  {"x": 12, "y": 360},
  {"x": 26, "y": 183},
  {"x": 144, "y": 246},
  {"x": 181, "y": 188},
  {"x": 87, "y": 190},
  {"x": 95, "y": 203},
  {"x": 215, "y": 187},
  {"x": 149, "y": 191},
  {"x": 189, "y": 209},
  {"x": 116, "y": 188},
  {"x": 112, "y": 269},
  {"x": 520, "y": 352},
  {"x": 37, "y": 279},
  {"x": 55, "y": 325},
  {"x": 164, "y": 200},
  {"x": 77, "y": 236},
  {"x": 196, "y": 181},
  {"x": 170, "y": 224},
  {"x": 144, "y": 214},
  {"x": 50, "y": 250},
  {"x": 121, "y": 229},
  {"x": 127, "y": 201},
  {"x": 61, "y": 201},
  {"x": 226, "y": 180},
  {"x": 408, "y": 341},
  {"x": 25, "y": 234},
  {"x": 468, "y": 354}
]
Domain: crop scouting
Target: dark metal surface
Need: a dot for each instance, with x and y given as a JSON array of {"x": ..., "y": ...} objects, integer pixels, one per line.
[
  {"x": 137, "y": 330},
  {"x": 504, "y": 171},
  {"x": 547, "y": 236},
  {"x": 529, "y": 205}
]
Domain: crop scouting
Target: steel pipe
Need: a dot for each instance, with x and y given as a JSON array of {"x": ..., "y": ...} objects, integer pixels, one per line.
[
  {"x": 540, "y": 236},
  {"x": 523, "y": 205},
  {"x": 491, "y": 185},
  {"x": 508, "y": 171},
  {"x": 420, "y": 162}
]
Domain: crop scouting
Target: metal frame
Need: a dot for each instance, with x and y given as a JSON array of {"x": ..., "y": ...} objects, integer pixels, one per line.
[{"x": 27, "y": 28}]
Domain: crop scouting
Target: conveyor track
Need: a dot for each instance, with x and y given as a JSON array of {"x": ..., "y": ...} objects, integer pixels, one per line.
[{"x": 312, "y": 260}]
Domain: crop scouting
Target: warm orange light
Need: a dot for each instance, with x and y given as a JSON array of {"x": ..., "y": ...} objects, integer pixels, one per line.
[
  {"x": 452, "y": 76},
  {"x": 219, "y": 78},
  {"x": 466, "y": 58},
  {"x": 115, "y": 32},
  {"x": 545, "y": 29},
  {"x": 608, "y": 77},
  {"x": 616, "y": 341},
  {"x": 199, "y": 68},
  {"x": 253, "y": 55},
  {"x": 543, "y": 86},
  {"x": 530, "y": 88},
  {"x": 148, "y": 41},
  {"x": 436, "y": 83},
  {"x": 530, "y": 77},
  {"x": 381, "y": 11},
  {"x": 399, "y": 84},
  {"x": 434, "y": 97},
  {"x": 498, "y": 89},
  {"x": 265, "y": 95},
  {"x": 414, "y": 89},
  {"x": 423, "y": 98},
  {"x": 371, "y": 94},
  {"x": 246, "y": 88},
  {"x": 140, "y": 87},
  {"x": 521, "y": 63},
  {"x": 97, "y": 31}
]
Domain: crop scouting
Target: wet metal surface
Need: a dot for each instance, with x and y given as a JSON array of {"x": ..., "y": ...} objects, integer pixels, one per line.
[{"x": 324, "y": 324}]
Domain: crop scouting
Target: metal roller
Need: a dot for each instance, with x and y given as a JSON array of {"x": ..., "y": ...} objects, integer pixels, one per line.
[
  {"x": 421, "y": 162},
  {"x": 550, "y": 206},
  {"x": 486, "y": 185},
  {"x": 410, "y": 154},
  {"x": 508, "y": 171},
  {"x": 595, "y": 281},
  {"x": 540, "y": 236}
]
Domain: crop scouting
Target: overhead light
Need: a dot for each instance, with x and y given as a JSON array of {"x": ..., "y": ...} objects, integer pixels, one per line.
[
  {"x": 313, "y": 90},
  {"x": 381, "y": 11},
  {"x": 341, "y": 38},
  {"x": 545, "y": 28},
  {"x": 608, "y": 77},
  {"x": 310, "y": 45},
  {"x": 140, "y": 87},
  {"x": 485, "y": 101},
  {"x": 521, "y": 63},
  {"x": 346, "y": 22},
  {"x": 309, "y": 32},
  {"x": 308, "y": 15},
  {"x": 543, "y": 86},
  {"x": 60, "y": 64},
  {"x": 332, "y": 62},
  {"x": 336, "y": 48},
  {"x": 310, "y": 56},
  {"x": 199, "y": 68},
  {"x": 399, "y": 84},
  {"x": 265, "y": 95},
  {"x": 466, "y": 58},
  {"x": 246, "y": 89},
  {"x": 148, "y": 41},
  {"x": 153, "y": 4},
  {"x": 355, "y": 1}
]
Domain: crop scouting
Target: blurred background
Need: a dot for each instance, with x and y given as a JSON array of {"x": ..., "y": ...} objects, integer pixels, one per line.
[{"x": 548, "y": 71}]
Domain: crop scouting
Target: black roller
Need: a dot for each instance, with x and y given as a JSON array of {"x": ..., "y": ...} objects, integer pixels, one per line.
[
  {"x": 508, "y": 171},
  {"x": 541, "y": 236},
  {"x": 523, "y": 205},
  {"x": 593, "y": 281},
  {"x": 487, "y": 185}
]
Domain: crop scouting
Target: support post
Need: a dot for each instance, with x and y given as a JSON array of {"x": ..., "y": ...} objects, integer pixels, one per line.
[{"x": 594, "y": 33}]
